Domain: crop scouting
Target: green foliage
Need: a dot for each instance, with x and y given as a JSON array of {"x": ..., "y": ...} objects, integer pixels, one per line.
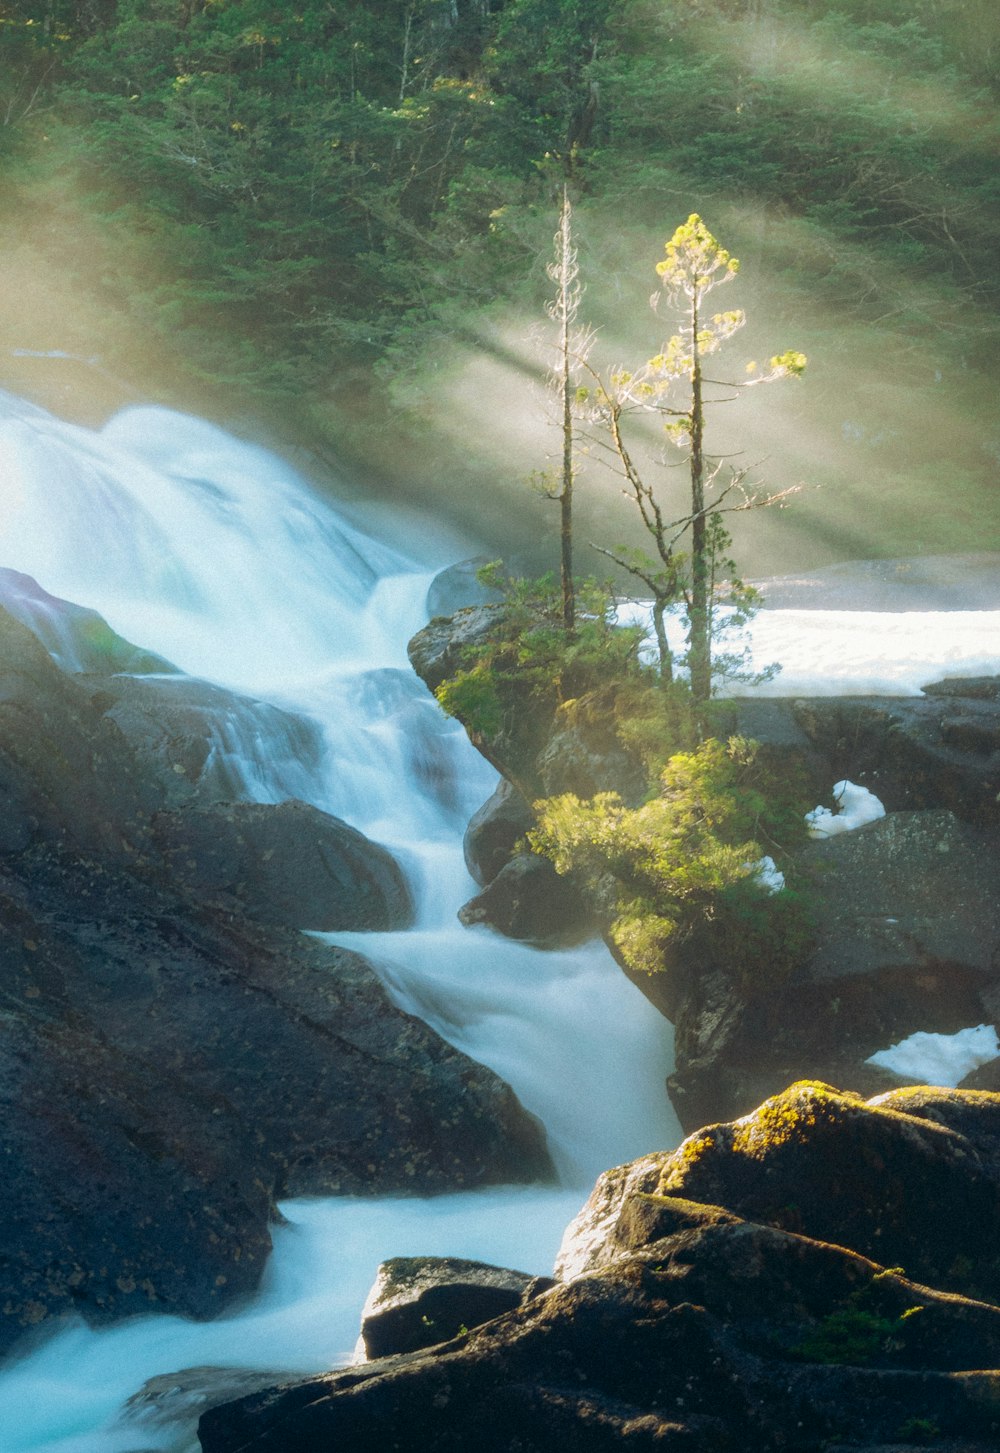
[
  {"x": 847, "y": 1336},
  {"x": 861, "y": 1331},
  {"x": 473, "y": 697},
  {"x": 918, "y": 1430},
  {"x": 688, "y": 858},
  {"x": 302, "y": 201}
]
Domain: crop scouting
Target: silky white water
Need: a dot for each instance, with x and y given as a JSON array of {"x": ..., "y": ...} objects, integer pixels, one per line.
[{"x": 214, "y": 555}]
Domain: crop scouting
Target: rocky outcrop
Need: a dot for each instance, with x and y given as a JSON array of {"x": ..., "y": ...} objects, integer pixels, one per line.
[
  {"x": 572, "y": 747},
  {"x": 170, "y": 1063},
  {"x": 907, "y": 937},
  {"x": 419, "y": 1301},
  {"x": 941, "y": 749},
  {"x": 904, "y": 912},
  {"x": 809, "y": 1277},
  {"x": 439, "y": 649}
]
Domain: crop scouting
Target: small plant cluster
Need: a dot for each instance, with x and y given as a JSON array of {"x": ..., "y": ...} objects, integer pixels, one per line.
[
  {"x": 687, "y": 859},
  {"x": 859, "y": 1332}
]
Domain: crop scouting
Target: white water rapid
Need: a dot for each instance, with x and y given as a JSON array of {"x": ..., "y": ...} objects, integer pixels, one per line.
[{"x": 214, "y": 555}]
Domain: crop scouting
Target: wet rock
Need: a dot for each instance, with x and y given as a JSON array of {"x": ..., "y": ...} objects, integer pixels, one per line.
[
  {"x": 529, "y": 900},
  {"x": 417, "y": 1301},
  {"x": 458, "y": 587},
  {"x": 203, "y": 743},
  {"x": 494, "y": 831},
  {"x": 735, "y": 1296},
  {"x": 79, "y": 639},
  {"x": 286, "y": 864},
  {"x": 167, "y": 1073},
  {"x": 166, "y": 1409},
  {"x": 168, "y": 1066}
]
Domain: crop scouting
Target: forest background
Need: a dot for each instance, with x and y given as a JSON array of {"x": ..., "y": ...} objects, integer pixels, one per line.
[{"x": 328, "y": 223}]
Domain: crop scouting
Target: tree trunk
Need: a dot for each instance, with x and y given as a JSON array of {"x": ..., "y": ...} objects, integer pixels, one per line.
[
  {"x": 566, "y": 310},
  {"x": 662, "y": 645},
  {"x": 700, "y": 646}
]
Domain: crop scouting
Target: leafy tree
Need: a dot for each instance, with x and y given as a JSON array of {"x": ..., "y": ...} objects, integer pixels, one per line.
[
  {"x": 672, "y": 385},
  {"x": 688, "y": 858}
]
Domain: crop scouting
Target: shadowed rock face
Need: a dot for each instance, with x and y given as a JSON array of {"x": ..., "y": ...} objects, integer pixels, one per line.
[
  {"x": 938, "y": 750},
  {"x": 169, "y": 1064},
  {"x": 688, "y": 1325},
  {"x": 528, "y": 900},
  {"x": 419, "y": 1301},
  {"x": 494, "y": 831},
  {"x": 907, "y": 938},
  {"x": 286, "y": 864}
]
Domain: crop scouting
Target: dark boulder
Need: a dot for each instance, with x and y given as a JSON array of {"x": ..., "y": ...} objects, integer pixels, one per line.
[
  {"x": 906, "y": 915},
  {"x": 529, "y": 900},
  {"x": 938, "y": 750},
  {"x": 286, "y": 864},
  {"x": 417, "y": 1301},
  {"x": 494, "y": 831},
  {"x": 718, "y": 1328},
  {"x": 168, "y": 1072}
]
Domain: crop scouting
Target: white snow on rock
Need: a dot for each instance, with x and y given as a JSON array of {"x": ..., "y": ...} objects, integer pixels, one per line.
[
  {"x": 856, "y": 806},
  {"x": 940, "y": 1059}
]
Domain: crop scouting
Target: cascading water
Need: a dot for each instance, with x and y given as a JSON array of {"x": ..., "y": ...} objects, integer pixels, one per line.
[{"x": 212, "y": 554}]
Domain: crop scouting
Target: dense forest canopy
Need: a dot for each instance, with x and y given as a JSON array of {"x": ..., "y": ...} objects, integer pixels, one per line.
[{"x": 334, "y": 213}]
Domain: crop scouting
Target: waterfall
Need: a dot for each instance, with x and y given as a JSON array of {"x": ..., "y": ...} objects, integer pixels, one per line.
[{"x": 214, "y": 555}]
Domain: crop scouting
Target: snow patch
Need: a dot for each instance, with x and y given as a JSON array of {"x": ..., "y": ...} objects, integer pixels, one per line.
[
  {"x": 940, "y": 1059},
  {"x": 856, "y": 806},
  {"x": 768, "y": 874}
]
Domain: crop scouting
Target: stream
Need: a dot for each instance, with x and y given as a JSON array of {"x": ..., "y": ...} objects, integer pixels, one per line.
[{"x": 213, "y": 554}]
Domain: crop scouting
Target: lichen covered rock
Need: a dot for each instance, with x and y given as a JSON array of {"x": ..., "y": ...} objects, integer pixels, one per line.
[{"x": 758, "y": 1325}]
